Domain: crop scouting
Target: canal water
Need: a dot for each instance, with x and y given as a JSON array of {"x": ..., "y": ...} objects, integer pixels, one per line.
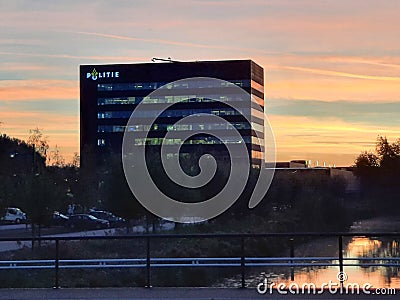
[{"x": 356, "y": 247}]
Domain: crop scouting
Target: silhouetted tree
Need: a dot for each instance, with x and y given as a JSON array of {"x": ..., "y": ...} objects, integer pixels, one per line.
[
  {"x": 56, "y": 159},
  {"x": 38, "y": 141},
  {"x": 380, "y": 173}
]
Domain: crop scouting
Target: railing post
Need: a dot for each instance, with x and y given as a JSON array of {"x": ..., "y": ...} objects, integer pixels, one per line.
[
  {"x": 57, "y": 265},
  {"x": 242, "y": 262},
  {"x": 148, "y": 270},
  {"x": 341, "y": 254},
  {"x": 291, "y": 242},
  {"x": 33, "y": 235}
]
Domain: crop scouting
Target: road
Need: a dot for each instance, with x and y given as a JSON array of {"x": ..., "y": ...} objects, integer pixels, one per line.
[
  {"x": 22, "y": 231},
  {"x": 165, "y": 293},
  {"x": 12, "y": 227}
]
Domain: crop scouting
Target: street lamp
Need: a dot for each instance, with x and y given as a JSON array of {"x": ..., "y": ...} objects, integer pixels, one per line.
[{"x": 14, "y": 155}]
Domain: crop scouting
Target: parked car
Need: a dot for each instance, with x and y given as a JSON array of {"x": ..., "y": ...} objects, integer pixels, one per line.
[
  {"x": 84, "y": 221},
  {"x": 110, "y": 217},
  {"x": 49, "y": 219},
  {"x": 14, "y": 215},
  {"x": 59, "y": 219}
]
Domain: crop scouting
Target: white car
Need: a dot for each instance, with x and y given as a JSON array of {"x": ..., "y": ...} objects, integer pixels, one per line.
[{"x": 14, "y": 215}]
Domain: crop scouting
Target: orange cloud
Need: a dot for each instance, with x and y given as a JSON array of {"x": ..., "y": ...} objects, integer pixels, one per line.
[
  {"x": 9, "y": 67},
  {"x": 21, "y": 121},
  {"x": 68, "y": 56},
  {"x": 318, "y": 86},
  {"x": 340, "y": 74},
  {"x": 334, "y": 141},
  {"x": 392, "y": 62},
  {"x": 211, "y": 45},
  {"x": 60, "y": 130},
  {"x": 36, "y": 89},
  {"x": 331, "y": 77}
]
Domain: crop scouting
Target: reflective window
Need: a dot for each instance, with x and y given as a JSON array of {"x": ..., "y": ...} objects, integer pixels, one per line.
[
  {"x": 257, "y": 113},
  {"x": 209, "y": 140},
  {"x": 129, "y": 86},
  {"x": 171, "y": 113},
  {"x": 119, "y": 100},
  {"x": 114, "y": 115},
  {"x": 101, "y": 142},
  {"x": 170, "y": 99},
  {"x": 257, "y": 141},
  {"x": 257, "y": 127},
  {"x": 174, "y": 127},
  {"x": 177, "y": 85},
  {"x": 257, "y": 154}
]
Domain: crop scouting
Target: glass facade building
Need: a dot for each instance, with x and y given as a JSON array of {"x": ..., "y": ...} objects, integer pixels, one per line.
[{"x": 110, "y": 93}]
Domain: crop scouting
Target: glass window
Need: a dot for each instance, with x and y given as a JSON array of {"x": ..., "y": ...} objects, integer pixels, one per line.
[
  {"x": 209, "y": 140},
  {"x": 172, "y": 113},
  {"x": 119, "y": 101},
  {"x": 177, "y": 127},
  {"x": 155, "y": 85}
]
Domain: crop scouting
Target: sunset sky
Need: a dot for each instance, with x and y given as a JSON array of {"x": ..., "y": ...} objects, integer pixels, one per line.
[{"x": 332, "y": 68}]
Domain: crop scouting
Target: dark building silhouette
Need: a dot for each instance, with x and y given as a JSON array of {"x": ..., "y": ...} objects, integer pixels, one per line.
[{"x": 109, "y": 94}]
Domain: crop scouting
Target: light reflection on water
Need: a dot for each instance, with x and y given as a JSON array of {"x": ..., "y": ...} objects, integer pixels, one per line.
[{"x": 356, "y": 247}]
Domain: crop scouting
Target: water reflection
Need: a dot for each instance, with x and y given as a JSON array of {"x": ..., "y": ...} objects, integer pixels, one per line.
[
  {"x": 357, "y": 247},
  {"x": 363, "y": 247}
]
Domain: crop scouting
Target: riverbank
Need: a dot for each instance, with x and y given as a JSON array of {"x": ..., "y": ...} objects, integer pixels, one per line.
[{"x": 377, "y": 224}]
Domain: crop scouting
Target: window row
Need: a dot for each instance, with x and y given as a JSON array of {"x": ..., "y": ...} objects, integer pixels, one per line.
[
  {"x": 169, "y": 99},
  {"x": 171, "y": 113},
  {"x": 174, "y": 127},
  {"x": 257, "y": 141},
  {"x": 174, "y": 85},
  {"x": 210, "y": 140},
  {"x": 257, "y": 154}
]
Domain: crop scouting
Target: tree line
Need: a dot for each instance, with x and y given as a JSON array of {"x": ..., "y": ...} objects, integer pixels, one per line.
[
  {"x": 379, "y": 173},
  {"x": 28, "y": 182},
  {"x": 39, "y": 181}
]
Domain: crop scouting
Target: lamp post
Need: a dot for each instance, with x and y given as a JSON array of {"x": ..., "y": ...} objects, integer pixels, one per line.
[{"x": 14, "y": 155}]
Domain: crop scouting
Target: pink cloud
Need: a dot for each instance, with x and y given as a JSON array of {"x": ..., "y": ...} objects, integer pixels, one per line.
[
  {"x": 341, "y": 74},
  {"x": 36, "y": 89},
  {"x": 68, "y": 56}
]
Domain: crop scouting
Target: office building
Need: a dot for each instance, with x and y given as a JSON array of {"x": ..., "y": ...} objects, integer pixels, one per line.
[{"x": 110, "y": 93}]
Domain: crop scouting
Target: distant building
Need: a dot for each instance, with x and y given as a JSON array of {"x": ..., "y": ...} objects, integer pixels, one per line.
[
  {"x": 110, "y": 93},
  {"x": 290, "y": 164},
  {"x": 352, "y": 182}
]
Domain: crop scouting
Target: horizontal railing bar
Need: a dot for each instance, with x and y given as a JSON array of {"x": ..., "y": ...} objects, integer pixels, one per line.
[
  {"x": 196, "y": 259},
  {"x": 101, "y": 266},
  {"x": 26, "y": 261},
  {"x": 102, "y": 260},
  {"x": 190, "y": 265},
  {"x": 27, "y": 267},
  {"x": 290, "y": 265},
  {"x": 144, "y": 265},
  {"x": 288, "y": 258},
  {"x": 197, "y": 265}
]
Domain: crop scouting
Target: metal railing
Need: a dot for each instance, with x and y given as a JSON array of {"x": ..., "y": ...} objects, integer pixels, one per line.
[{"x": 242, "y": 261}]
